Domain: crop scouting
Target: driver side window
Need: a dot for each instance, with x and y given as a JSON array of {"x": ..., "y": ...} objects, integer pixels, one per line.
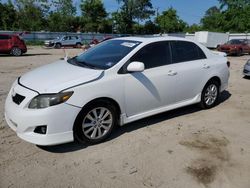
[{"x": 154, "y": 55}]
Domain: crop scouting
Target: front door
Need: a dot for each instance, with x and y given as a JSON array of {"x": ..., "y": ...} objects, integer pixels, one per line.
[{"x": 153, "y": 88}]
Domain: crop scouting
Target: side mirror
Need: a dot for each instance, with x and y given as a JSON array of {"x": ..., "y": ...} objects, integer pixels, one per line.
[{"x": 136, "y": 67}]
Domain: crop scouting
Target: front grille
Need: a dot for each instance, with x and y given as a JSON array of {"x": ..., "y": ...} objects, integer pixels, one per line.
[
  {"x": 246, "y": 71},
  {"x": 18, "y": 98}
]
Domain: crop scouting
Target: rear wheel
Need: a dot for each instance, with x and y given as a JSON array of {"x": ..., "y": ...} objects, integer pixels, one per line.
[
  {"x": 210, "y": 95},
  {"x": 16, "y": 51},
  {"x": 78, "y": 45},
  {"x": 95, "y": 123}
]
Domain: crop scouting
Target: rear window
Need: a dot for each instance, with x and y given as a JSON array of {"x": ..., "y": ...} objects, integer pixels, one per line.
[
  {"x": 186, "y": 51},
  {"x": 5, "y": 37},
  {"x": 235, "y": 41}
]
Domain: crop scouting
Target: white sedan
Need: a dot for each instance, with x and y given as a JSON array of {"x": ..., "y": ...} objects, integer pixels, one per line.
[{"x": 117, "y": 82}]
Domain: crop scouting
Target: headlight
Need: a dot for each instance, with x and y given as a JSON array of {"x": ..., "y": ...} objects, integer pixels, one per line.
[
  {"x": 248, "y": 62},
  {"x": 46, "y": 100}
]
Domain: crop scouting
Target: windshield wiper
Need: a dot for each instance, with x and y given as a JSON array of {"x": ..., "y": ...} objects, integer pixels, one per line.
[
  {"x": 84, "y": 64},
  {"x": 81, "y": 63}
]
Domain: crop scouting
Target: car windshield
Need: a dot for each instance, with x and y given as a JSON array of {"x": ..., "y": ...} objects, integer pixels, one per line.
[
  {"x": 105, "y": 55},
  {"x": 235, "y": 42}
]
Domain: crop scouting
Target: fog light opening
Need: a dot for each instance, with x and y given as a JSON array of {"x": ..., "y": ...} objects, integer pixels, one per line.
[{"x": 41, "y": 129}]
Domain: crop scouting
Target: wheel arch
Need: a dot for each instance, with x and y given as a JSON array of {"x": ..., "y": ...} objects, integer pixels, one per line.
[
  {"x": 100, "y": 100},
  {"x": 214, "y": 78}
]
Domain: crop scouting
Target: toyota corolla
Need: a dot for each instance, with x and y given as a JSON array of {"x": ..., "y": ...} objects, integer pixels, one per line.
[{"x": 114, "y": 83}]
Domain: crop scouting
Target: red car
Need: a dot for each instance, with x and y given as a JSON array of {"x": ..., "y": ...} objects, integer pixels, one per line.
[
  {"x": 236, "y": 47},
  {"x": 95, "y": 41},
  {"x": 12, "y": 44}
]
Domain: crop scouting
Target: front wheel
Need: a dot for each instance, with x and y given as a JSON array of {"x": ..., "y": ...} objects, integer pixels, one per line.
[
  {"x": 58, "y": 46},
  {"x": 210, "y": 95},
  {"x": 95, "y": 123},
  {"x": 16, "y": 51}
]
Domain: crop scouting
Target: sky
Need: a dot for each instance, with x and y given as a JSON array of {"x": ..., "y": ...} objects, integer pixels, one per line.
[{"x": 191, "y": 11}]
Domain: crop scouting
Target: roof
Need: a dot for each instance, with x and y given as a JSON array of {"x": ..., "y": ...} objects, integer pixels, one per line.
[
  {"x": 5, "y": 34},
  {"x": 151, "y": 39}
]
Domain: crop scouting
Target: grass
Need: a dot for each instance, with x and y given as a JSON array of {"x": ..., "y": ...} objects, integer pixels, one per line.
[{"x": 34, "y": 43}]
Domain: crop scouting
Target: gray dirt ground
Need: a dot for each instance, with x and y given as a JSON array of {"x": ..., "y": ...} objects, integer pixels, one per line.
[{"x": 187, "y": 147}]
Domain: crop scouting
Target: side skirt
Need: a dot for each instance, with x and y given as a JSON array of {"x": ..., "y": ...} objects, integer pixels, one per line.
[{"x": 124, "y": 119}]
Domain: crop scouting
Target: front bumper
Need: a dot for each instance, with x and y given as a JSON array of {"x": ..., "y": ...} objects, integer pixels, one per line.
[
  {"x": 59, "y": 119},
  {"x": 49, "y": 44},
  {"x": 246, "y": 70}
]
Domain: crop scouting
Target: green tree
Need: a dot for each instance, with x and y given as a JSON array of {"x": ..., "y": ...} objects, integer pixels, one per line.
[
  {"x": 94, "y": 14},
  {"x": 8, "y": 16},
  {"x": 31, "y": 15},
  {"x": 65, "y": 7},
  {"x": 130, "y": 12},
  {"x": 231, "y": 4},
  {"x": 62, "y": 18},
  {"x": 193, "y": 28},
  {"x": 214, "y": 20},
  {"x": 232, "y": 16},
  {"x": 237, "y": 19},
  {"x": 151, "y": 28},
  {"x": 169, "y": 22}
]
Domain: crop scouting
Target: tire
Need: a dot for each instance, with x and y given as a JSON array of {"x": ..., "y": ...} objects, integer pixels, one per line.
[
  {"x": 78, "y": 45},
  {"x": 15, "y": 51},
  {"x": 240, "y": 52},
  {"x": 58, "y": 46},
  {"x": 210, "y": 95},
  {"x": 91, "y": 125}
]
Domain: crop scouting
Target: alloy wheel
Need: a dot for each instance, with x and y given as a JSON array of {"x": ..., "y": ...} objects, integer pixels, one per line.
[
  {"x": 97, "y": 123},
  {"x": 211, "y": 94},
  {"x": 16, "y": 51}
]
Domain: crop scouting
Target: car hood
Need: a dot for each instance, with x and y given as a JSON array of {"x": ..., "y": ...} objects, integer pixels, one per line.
[{"x": 58, "y": 76}]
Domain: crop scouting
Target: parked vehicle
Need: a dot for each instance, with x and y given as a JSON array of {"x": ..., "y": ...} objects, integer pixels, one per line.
[
  {"x": 114, "y": 83},
  {"x": 95, "y": 41},
  {"x": 211, "y": 39},
  {"x": 64, "y": 41},
  {"x": 235, "y": 47},
  {"x": 246, "y": 70},
  {"x": 12, "y": 44}
]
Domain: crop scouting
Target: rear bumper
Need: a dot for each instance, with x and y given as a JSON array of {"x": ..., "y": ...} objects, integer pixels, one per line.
[
  {"x": 229, "y": 51},
  {"x": 24, "y": 50}
]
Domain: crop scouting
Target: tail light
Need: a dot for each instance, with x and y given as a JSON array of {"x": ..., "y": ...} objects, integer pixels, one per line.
[{"x": 228, "y": 64}]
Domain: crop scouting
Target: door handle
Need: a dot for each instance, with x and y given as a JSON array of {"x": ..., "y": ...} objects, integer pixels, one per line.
[
  {"x": 206, "y": 66},
  {"x": 172, "y": 73}
]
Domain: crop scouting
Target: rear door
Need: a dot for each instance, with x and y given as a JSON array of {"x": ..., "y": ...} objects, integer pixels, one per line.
[
  {"x": 74, "y": 40},
  {"x": 4, "y": 43},
  {"x": 191, "y": 66}
]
